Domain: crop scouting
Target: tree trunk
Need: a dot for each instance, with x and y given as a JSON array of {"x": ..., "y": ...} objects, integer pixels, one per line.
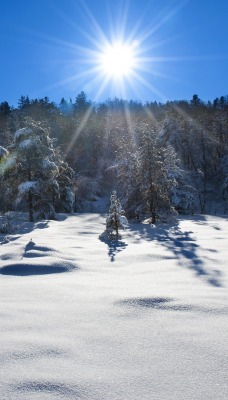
[
  {"x": 153, "y": 221},
  {"x": 116, "y": 226},
  {"x": 153, "y": 211}
]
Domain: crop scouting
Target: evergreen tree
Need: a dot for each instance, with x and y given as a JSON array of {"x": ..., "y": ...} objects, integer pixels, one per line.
[
  {"x": 3, "y": 183},
  {"x": 38, "y": 168},
  {"x": 66, "y": 107},
  {"x": 155, "y": 182},
  {"x": 23, "y": 102},
  {"x": 195, "y": 102},
  {"x": 4, "y": 108},
  {"x": 116, "y": 219},
  {"x": 81, "y": 104}
]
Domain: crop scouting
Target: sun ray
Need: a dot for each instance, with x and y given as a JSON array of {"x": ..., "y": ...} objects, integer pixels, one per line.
[
  {"x": 162, "y": 20},
  {"x": 101, "y": 37},
  {"x": 85, "y": 119},
  {"x": 88, "y": 73},
  {"x": 119, "y": 70},
  {"x": 150, "y": 115},
  {"x": 188, "y": 117},
  {"x": 116, "y": 59},
  {"x": 148, "y": 85}
]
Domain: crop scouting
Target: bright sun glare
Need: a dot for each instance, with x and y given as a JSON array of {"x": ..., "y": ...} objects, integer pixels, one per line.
[{"x": 117, "y": 60}]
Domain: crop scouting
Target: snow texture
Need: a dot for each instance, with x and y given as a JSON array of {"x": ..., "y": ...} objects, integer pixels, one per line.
[
  {"x": 144, "y": 317},
  {"x": 50, "y": 166},
  {"x": 22, "y": 133},
  {"x": 26, "y": 143},
  {"x": 26, "y": 186},
  {"x": 3, "y": 152}
]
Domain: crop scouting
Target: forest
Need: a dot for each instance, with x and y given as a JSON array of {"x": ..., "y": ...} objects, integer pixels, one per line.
[{"x": 161, "y": 158}]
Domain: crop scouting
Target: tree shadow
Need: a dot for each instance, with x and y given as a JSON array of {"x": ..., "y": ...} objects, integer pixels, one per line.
[
  {"x": 25, "y": 227},
  {"x": 28, "y": 227},
  {"x": 114, "y": 246},
  {"x": 4, "y": 239},
  {"x": 182, "y": 245}
]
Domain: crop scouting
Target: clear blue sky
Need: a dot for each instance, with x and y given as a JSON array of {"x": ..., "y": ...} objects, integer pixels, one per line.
[{"x": 52, "y": 47}]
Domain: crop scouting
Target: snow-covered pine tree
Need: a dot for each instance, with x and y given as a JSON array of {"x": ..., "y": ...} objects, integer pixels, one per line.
[
  {"x": 36, "y": 169},
  {"x": 3, "y": 184},
  {"x": 66, "y": 199},
  {"x": 179, "y": 182},
  {"x": 37, "y": 166},
  {"x": 154, "y": 178},
  {"x": 116, "y": 219},
  {"x": 128, "y": 167}
]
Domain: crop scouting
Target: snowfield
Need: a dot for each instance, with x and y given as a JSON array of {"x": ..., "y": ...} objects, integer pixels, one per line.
[{"x": 142, "y": 318}]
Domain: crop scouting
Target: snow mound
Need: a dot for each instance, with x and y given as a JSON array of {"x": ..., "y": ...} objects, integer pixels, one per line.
[
  {"x": 37, "y": 260},
  {"x": 21, "y": 269}
]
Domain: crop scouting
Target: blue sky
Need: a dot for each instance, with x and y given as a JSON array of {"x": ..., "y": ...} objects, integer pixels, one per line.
[{"x": 53, "y": 48}]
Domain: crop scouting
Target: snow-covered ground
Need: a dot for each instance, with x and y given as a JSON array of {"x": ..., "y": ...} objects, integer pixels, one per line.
[{"x": 145, "y": 318}]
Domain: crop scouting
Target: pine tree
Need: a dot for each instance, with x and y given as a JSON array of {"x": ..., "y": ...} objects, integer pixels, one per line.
[
  {"x": 81, "y": 104},
  {"x": 116, "y": 219},
  {"x": 3, "y": 184},
  {"x": 37, "y": 167},
  {"x": 155, "y": 182}
]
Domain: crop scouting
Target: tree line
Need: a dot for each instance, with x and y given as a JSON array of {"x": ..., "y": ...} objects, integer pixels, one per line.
[{"x": 161, "y": 158}]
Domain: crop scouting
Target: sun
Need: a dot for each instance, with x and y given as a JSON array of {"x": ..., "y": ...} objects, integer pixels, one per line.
[
  {"x": 117, "y": 60},
  {"x": 120, "y": 58}
]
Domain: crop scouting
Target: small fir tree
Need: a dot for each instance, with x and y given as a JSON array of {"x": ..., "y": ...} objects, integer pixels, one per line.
[{"x": 116, "y": 219}]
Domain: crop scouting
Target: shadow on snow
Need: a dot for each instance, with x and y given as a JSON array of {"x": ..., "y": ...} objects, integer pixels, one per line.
[
  {"x": 21, "y": 269},
  {"x": 114, "y": 246},
  {"x": 181, "y": 244},
  {"x": 169, "y": 304},
  {"x": 56, "y": 265}
]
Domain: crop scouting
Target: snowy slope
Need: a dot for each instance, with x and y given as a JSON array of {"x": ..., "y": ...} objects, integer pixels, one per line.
[{"x": 145, "y": 318}]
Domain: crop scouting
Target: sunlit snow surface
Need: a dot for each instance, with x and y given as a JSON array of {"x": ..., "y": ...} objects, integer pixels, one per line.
[{"x": 145, "y": 318}]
